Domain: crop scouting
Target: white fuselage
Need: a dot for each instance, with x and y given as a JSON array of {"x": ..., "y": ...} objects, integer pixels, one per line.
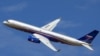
[{"x": 33, "y": 29}]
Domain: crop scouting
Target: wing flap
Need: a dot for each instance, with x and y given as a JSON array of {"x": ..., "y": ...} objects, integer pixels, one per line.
[{"x": 45, "y": 41}]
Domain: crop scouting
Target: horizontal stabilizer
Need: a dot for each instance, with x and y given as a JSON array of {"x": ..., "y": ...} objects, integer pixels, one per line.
[{"x": 88, "y": 46}]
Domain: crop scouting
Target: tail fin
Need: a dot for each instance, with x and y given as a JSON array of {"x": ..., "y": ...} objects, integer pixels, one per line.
[{"x": 89, "y": 37}]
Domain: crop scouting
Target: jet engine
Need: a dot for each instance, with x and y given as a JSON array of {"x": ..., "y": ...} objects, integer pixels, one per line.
[{"x": 34, "y": 40}]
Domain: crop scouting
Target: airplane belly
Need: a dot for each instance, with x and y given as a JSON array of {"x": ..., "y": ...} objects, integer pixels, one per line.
[
  {"x": 69, "y": 42},
  {"x": 62, "y": 38},
  {"x": 72, "y": 43}
]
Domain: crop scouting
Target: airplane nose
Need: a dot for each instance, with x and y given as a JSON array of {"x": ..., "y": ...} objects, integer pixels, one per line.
[{"x": 5, "y": 22}]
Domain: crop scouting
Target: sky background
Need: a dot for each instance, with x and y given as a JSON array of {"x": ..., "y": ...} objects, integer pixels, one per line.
[{"x": 78, "y": 17}]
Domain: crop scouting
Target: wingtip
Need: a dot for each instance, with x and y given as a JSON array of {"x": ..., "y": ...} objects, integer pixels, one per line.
[
  {"x": 58, "y": 19},
  {"x": 58, "y": 50}
]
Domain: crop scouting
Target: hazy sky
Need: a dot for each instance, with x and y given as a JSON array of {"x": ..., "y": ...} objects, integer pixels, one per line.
[{"x": 79, "y": 17}]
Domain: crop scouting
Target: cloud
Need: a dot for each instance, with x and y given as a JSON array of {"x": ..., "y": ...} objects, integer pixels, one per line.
[
  {"x": 16, "y": 7},
  {"x": 85, "y": 4}
]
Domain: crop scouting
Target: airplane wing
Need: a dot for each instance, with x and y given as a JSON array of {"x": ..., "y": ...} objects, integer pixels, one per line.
[
  {"x": 50, "y": 26},
  {"x": 45, "y": 41}
]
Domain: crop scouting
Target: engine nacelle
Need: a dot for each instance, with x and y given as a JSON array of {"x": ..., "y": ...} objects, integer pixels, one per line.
[{"x": 32, "y": 39}]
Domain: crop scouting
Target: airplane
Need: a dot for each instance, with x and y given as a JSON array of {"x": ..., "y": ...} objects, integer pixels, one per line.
[{"x": 45, "y": 34}]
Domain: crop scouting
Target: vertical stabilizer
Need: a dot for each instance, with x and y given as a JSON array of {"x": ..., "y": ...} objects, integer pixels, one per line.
[{"x": 89, "y": 37}]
